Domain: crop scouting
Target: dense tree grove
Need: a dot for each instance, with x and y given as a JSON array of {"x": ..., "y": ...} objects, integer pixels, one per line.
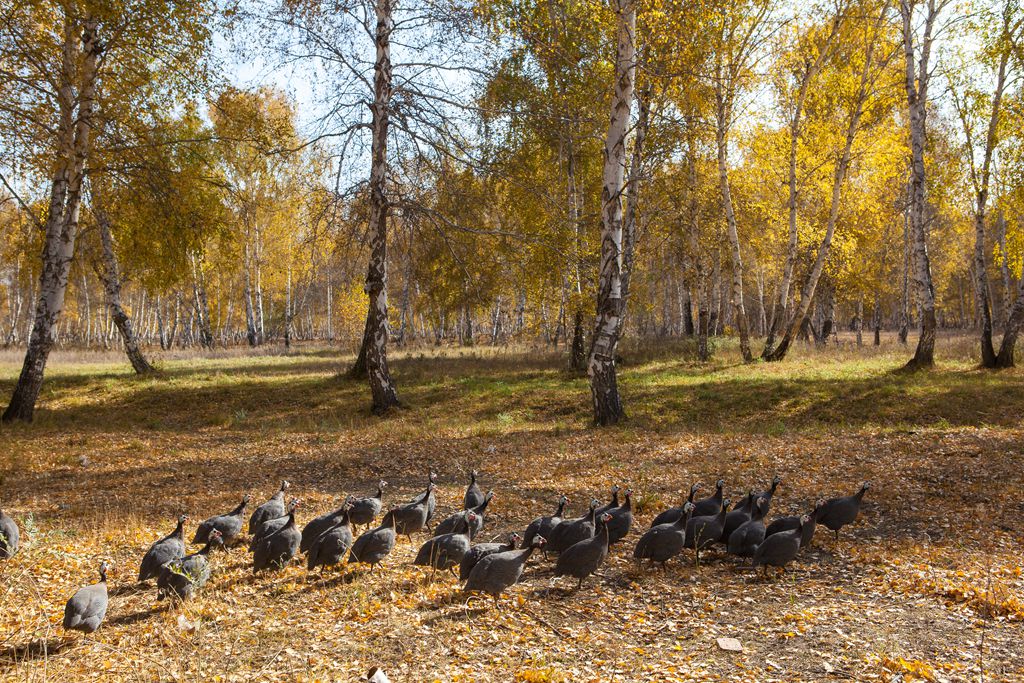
[{"x": 492, "y": 172}]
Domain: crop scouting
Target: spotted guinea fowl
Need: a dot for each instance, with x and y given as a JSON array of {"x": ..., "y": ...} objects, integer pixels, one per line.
[
  {"x": 711, "y": 504},
  {"x": 838, "y": 512},
  {"x": 495, "y": 573},
  {"x": 704, "y": 531},
  {"x": 275, "y": 551},
  {"x": 8, "y": 536},
  {"x": 542, "y": 526},
  {"x": 272, "y": 525},
  {"x": 779, "y": 549},
  {"x": 447, "y": 550},
  {"x": 329, "y": 548},
  {"x": 787, "y": 523},
  {"x": 412, "y": 517},
  {"x": 739, "y": 515},
  {"x": 374, "y": 545},
  {"x": 613, "y": 503},
  {"x": 673, "y": 514},
  {"x": 428, "y": 496},
  {"x": 170, "y": 547},
  {"x": 622, "y": 519},
  {"x": 229, "y": 525},
  {"x": 770, "y": 493},
  {"x": 318, "y": 525},
  {"x": 459, "y": 521},
  {"x": 746, "y": 501},
  {"x": 572, "y": 531},
  {"x": 474, "y": 495},
  {"x": 482, "y": 550},
  {"x": 272, "y": 509},
  {"x": 85, "y": 609},
  {"x": 364, "y": 510},
  {"x": 744, "y": 540},
  {"x": 582, "y": 559},
  {"x": 182, "y": 577},
  {"x": 663, "y": 542}
]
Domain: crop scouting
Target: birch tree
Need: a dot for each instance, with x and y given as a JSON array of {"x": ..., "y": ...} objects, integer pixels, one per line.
[
  {"x": 979, "y": 115},
  {"x": 917, "y": 54},
  {"x": 610, "y": 304}
]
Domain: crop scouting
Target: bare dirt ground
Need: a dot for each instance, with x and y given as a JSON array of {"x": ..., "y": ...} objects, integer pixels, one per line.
[{"x": 926, "y": 586}]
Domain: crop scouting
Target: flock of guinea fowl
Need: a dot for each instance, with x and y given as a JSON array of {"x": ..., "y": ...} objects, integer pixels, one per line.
[{"x": 581, "y": 543}]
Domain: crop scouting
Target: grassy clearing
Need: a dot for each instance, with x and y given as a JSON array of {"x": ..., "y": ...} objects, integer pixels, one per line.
[{"x": 933, "y": 565}]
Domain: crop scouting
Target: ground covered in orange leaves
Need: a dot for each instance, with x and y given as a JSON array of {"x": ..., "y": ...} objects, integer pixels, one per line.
[{"x": 926, "y": 586}]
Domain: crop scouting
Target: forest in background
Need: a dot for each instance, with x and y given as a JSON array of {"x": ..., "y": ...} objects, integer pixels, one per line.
[{"x": 504, "y": 171}]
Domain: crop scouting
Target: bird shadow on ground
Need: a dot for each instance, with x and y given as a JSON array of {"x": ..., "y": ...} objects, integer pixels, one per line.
[
  {"x": 132, "y": 618},
  {"x": 32, "y": 650},
  {"x": 461, "y": 613}
]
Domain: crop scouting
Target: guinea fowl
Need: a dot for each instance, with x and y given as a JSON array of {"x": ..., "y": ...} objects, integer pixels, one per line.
[
  {"x": 542, "y": 526},
  {"x": 272, "y": 509},
  {"x": 329, "y": 548},
  {"x": 412, "y": 517},
  {"x": 793, "y": 522},
  {"x": 183, "y": 576},
  {"x": 613, "y": 503},
  {"x": 710, "y": 505},
  {"x": 8, "y": 536},
  {"x": 459, "y": 521},
  {"x": 838, "y": 512},
  {"x": 85, "y": 609},
  {"x": 474, "y": 496},
  {"x": 663, "y": 542},
  {"x": 744, "y": 540},
  {"x": 496, "y": 572},
  {"x": 170, "y": 547},
  {"x": 376, "y": 544},
  {"x": 572, "y": 531},
  {"x": 745, "y": 502},
  {"x": 229, "y": 525},
  {"x": 739, "y": 515},
  {"x": 704, "y": 531},
  {"x": 482, "y": 550},
  {"x": 272, "y": 525},
  {"x": 428, "y": 496},
  {"x": 673, "y": 514},
  {"x": 770, "y": 493},
  {"x": 275, "y": 551},
  {"x": 315, "y": 527},
  {"x": 365, "y": 510},
  {"x": 779, "y": 549},
  {"x": 582, "y": 559},
  {"x": 622, "y": 519},
  {"x": 447, "y": 550}
]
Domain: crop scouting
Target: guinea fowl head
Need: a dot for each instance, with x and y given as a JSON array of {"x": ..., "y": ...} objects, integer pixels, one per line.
[
  {"x": 806, "y": 519},
  {"x": 473, "y": 474},
  {"x": 104, "y": 568},
  {"x": 245, "y": 499},
  {"x": 720, "y": 484},
  {"x": 381, "y": 485},
  {"x": 182, "y": 519},
  {"x": 285, "y": 485},
  {"x": 514, "y": 539},
  {"x": 864, "y": 487},
  {"x": 761, "y": 506},
  {"x": 538, "y": 542},
  {"x": 215, "y": 539},
  {"x": 292, "y": 504}
]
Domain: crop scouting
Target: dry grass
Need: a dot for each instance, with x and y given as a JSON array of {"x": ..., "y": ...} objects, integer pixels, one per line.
[{"x": 926, "y": 586}]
